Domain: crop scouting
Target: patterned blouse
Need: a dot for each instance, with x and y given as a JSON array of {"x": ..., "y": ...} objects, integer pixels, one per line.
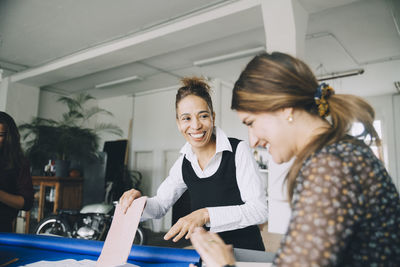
[{"x": 346, "y": 211}]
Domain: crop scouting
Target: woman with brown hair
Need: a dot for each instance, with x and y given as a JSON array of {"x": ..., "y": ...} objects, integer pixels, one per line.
[
  {"x": 220, "y": 174},
  {"x": 345, "y": 207},
  {"x": 16, "y": 190}
]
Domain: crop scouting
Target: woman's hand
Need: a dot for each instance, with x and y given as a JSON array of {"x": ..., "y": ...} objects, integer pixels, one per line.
[
  {"x": 212, "y": 249},
  {"x": 187, "y": 224},
  {"x": 127, "y": 198}
]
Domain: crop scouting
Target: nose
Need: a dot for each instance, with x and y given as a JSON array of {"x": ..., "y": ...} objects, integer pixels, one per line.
[
  {"x": 253, "y": 140},
  {"x": 196, "y": 124}
]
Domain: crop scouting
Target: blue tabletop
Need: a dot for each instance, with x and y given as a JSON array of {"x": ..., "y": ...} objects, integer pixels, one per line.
[{"x": 33, "y": 248}]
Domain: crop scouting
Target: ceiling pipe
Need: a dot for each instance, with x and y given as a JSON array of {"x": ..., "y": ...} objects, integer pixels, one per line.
[{"x": 342, "y": 74}]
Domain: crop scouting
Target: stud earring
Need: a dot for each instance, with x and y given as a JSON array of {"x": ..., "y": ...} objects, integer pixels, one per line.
[{"x": 290, "y": 118}]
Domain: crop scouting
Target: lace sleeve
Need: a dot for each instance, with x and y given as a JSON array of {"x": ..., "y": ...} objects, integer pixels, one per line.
[{"x": 324, "y": 213}]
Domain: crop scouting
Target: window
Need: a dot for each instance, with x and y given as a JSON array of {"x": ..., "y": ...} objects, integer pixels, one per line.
[{"x": 357, "y": 130}]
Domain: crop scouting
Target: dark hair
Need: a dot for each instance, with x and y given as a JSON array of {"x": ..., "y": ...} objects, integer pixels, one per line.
[
  {"x": 194, "y": 86},
  {"x": 11, "y": 155},
  {"x": 275, "y": 81}
]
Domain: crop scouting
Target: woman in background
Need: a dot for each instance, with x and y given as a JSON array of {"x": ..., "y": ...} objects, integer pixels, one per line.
[
  {"x": 16, "y": 190},
  {"x": 220, "y": 173},
  {"x": 345, "y": 207}
]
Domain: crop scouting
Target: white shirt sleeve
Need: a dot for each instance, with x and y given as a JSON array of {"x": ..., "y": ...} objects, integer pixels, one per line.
[
  {"x": 167, "y": 193},
  {"x": 252, "y": 191}
]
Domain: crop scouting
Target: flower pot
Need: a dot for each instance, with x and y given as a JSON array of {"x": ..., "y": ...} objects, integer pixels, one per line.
[{"x": 62, "y": 168}]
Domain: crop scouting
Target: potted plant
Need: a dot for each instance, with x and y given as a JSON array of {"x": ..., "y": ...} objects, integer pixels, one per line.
[{"x": 68, "y": 138}]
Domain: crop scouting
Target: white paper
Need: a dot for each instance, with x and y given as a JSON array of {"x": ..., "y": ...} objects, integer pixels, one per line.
[
  {"x": 70, "y": 263},
  {"x": 63, "y": 263},
  {"x": 253, "y": 264}
]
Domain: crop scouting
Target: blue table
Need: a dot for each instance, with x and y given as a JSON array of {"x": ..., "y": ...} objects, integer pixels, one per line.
[{"x": 33, "y": 248}]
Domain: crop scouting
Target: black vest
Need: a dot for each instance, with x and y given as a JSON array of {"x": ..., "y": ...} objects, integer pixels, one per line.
[{"x": 221, "y": 189}]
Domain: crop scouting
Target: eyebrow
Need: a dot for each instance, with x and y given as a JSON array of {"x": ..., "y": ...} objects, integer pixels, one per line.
[{"x": 198, "y": 113}]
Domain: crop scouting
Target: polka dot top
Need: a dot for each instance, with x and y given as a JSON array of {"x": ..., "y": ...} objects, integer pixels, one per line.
[{"x": 346, "y": 211}]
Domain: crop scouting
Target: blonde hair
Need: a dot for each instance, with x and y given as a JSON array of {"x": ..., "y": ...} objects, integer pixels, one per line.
[{"x": 274, "y": 81}]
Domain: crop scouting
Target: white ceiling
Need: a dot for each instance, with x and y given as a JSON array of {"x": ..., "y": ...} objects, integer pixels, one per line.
[{"x": 69, "y": 46}]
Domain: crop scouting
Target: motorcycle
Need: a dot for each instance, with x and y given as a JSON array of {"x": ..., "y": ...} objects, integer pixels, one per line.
[{"x": 91, "y": 222}]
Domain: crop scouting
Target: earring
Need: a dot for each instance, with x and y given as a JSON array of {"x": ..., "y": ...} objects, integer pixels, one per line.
[{"x": 290, "y": 118}]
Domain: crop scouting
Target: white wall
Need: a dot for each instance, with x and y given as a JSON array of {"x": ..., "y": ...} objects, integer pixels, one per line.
[
  {"x": 387, "y": 110},
  {"x": 122, "y": 109},
  {"x": 49, "y": 108},
  {"x": 230, "y": 122},
  {"x": 154, "y": 122},
  {"x": 154, "y": 133},
  {"x": 396, "y": 117},
  {"x": 3, "y": 93},
  {"x": 21, "y": 101}
]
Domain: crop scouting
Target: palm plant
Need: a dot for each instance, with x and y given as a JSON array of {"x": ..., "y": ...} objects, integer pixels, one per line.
[{"x": 68, "y": 138}]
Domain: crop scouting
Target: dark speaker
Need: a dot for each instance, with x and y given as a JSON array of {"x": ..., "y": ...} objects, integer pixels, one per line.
[{"x": 115, "y": 159}]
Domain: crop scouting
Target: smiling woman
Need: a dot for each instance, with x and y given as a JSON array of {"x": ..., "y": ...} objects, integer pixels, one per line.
[
  {"x": 226, "y": 190},
  {"x": 345, "y": 207}
]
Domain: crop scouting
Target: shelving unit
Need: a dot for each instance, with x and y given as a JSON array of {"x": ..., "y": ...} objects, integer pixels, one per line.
[{"x": 67, "y": 195}]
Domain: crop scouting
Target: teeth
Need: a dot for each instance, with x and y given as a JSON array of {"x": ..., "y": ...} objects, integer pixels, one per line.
[{"x": 197, "y": 135}]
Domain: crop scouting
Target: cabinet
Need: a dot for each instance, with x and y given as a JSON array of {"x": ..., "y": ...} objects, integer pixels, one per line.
[{"x": 59, "y": 192}]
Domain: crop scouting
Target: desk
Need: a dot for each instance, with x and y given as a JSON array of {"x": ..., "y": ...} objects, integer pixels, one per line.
[
  {"x": 33, "y": 248},
  {"x": 67, "y": 195}
]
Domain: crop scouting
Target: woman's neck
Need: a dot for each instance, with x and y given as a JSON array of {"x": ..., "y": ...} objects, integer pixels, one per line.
[
  {"x": 205, "y": 153},
  {"x": 308, "y": 127}
]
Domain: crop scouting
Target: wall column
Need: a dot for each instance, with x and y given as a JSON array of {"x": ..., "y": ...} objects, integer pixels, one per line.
[
  {"x": 285, "y": 25},
  {"x": 3, "y": 93}
]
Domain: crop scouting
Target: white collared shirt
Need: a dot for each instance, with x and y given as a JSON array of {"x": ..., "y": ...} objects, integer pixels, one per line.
[{"x": 252, "y": 190}]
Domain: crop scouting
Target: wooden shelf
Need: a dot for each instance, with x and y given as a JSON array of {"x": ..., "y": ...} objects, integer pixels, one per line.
[{"x": 67, "y": 194}]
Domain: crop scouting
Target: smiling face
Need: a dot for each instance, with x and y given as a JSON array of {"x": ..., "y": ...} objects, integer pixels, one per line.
[
  {"x": 272, "y": 129},
  {"x": 195, "y": 121}
]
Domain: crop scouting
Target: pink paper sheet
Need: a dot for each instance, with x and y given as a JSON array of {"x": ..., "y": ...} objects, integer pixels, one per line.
[{"x": 121, "y": 234}]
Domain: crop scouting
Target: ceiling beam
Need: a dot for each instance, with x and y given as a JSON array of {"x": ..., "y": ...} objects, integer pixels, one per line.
[
  {"x": 290, "y": 36},
  {"x": 163, "y": 29}
]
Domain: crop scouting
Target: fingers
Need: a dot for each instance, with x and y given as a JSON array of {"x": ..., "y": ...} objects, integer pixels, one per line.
[
  {"x": 172, "y": 232},
  {"x": 200, "y": 234},
  {"x": 200, "y": 242},
  {"x": 127, "y": 198},
  {"x": 187, "y": 225},
  {"x": 178, "y": 230},
  {"x": 211, "y": 248},
  {"x": 182, "y": 232},
  {"x": 190, "y": 231},
  {"x": 206, "y": 242}
]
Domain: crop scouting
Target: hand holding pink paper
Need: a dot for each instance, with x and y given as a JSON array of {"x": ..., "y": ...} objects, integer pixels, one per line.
[{"x": 121, "y": 234}]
